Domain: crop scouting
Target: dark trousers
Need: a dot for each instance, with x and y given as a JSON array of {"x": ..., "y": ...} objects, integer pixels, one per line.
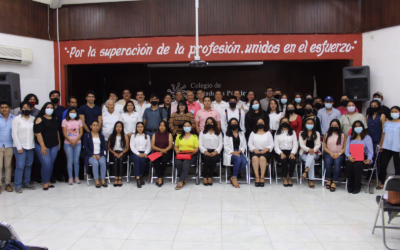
[
  {"x": 60, "y": 170},
  {"x": 209, "y": 165},
  {"x": 288, "y": 165},
  {"x": 160, "y": 164},
  {"x": 139, "y": 164},
  {"x": 354, "y": 174},
  {"x": 118, "y": 163},
  {"x": 36, "y": 170},
  {"x": 183, "y": 167},
  {"x": 386, "y": 155}
]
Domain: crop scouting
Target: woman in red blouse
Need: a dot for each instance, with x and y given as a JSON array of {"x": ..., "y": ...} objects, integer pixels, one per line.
[{"x": 294, "y": 119}]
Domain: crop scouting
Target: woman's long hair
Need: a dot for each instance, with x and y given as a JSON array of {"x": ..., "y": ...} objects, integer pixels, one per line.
[
  {"x": 144, "y": 130},
  {"x": 339, "y": 132},
  {"x": 278, "y": 110},
  {"x": 304, "y": 133},
  {"x": 246, "y": 99},
  {"x": 370, "y": 112},
  {"x": 182, "y": 102},
  {"x": 363, "y": 134},
  {"x": 183, "y": 131},
  {"x": 266, "y": 125},
  {"x": 215, "y": 126},
  {"x": 113, "y": 136},
  {"x": 252, "y": 113},
  {"x": 302, "y": 99},
  {"x": 287, "y": 115},
  {"x": 42, "y": 111},
  {"x": 229, "y": 129},
  {"x": 279, "y": 131}
]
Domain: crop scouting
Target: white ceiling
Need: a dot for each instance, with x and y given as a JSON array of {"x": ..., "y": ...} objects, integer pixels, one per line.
[{"x": 65, "y": 2}]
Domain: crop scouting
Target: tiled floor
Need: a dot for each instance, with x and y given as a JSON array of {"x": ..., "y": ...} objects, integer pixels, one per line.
[{"x": 196, "y": 217}]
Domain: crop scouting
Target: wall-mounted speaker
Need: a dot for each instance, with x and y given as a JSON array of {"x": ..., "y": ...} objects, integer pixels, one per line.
[
  {"x": 356, "y": 83},
  {"x": 10, "y": 90}
]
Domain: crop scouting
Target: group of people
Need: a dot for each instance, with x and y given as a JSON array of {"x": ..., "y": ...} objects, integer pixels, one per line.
[{"x": 273, "y": 128}]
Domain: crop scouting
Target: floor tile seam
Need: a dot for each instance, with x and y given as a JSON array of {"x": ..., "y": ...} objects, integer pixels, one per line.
[{"x": 180, "y": 220}]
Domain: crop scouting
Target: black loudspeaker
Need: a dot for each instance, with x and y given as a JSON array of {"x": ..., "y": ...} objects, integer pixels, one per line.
[
  {"x": 356, "y": 83},
  {"x": 10, "y": 90}
]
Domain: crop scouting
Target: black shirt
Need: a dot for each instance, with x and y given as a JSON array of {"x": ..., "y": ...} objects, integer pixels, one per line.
[
  {"x": 49, "y": 130},
  {"x": 300, "y": 111},
  {"x": 310, "y": 142},
  {"x": 250, "y": 121},
  {"x": 236, "y": 142},
  {"x": 91, "y": 114}
]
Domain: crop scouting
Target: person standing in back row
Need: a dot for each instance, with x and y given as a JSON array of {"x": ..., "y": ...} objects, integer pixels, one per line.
[
  {"x": 327, "y": 114},
  {"x": 193, "y": 106},
  {"x": 126, "y": 96},
  {"x": 233, "y": 112},
  {"x": 90, "y": 112},
  {"x": 153, "y": 116}
]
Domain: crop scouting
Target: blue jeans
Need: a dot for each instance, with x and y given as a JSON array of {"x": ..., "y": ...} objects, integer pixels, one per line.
[
  {"x": 73, "y": 153},
  {"x": 239, "y": 163},
  {"x": 95, "y": 165},
  {"x": 47, "y": 161},
  {"x": 329, "y": 162},
  {"x": 140, "y": 164},
  {"x": 23, "y": 167}
]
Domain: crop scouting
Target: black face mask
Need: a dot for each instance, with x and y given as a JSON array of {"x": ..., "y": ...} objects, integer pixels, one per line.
[
  {"x": 277, "y": 97},
  {"x": 232, "y": 104},
  {"x": 260, "y": 126},
  {"x": 209, "y": 126},
  {"x": 373, "y": 110},
  {"x": 335, "y": 129},
  {"x": 290, "y": 111},
  {"x": 318, "y": 105},
  {"x": 26, "y": 112},
  {"x": 55, "y": 100},
  {"x": 344, "y": 103},
  {"x": 234, "y": 126},
  {"x": 154, "y": 103},
  {"x": 285, "y": 125},
  {"x": 309, "y": 101},
  {"x": 308, "y": 111}
]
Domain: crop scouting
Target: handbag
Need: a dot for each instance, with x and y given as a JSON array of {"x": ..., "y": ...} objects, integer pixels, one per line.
[
  {"x": 394, "y": 197},
  {"x": 183, "y": 157}
]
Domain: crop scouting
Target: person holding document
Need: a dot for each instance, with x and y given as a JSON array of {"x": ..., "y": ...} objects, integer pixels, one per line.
[{"x": 359, "y": 145}]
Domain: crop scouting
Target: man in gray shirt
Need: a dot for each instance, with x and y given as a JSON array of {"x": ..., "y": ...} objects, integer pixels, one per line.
[
  {"x": 327, "y": 114},
  {"x": 264, "y": 102},
  {"x": 153, "y": 116}
]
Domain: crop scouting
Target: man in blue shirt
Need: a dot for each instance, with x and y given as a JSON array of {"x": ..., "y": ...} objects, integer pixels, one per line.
[
  {"x": 153, "y": 116},
  {"x": 327, "y": 114},
  {"x": 6, "y": 144},
  {"x": 72, "y": 103},
  {"x": 90, "y": 112}
]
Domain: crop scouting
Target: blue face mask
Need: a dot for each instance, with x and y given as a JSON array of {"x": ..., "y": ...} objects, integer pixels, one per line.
[
  {"x": 378, "y": 99},
  {"x": 297, "y": 100},
  {"x": 358, "y": 130},
  {"x": 187, "y": 129},
  {"x": 49, "y": 111},
  {"x": 192, "y": 111},
  {"x": 283, "y": 101},
  {"x": 395, "y": 115},
  {"x": 256, "y": 106},
  {"x": 328, "y": 105},
  {"x": 309, "y": 126},
  {"x": 72, "y": 115}
]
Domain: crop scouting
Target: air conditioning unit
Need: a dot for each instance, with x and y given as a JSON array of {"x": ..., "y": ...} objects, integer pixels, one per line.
[{"x": 15, "y": 55}]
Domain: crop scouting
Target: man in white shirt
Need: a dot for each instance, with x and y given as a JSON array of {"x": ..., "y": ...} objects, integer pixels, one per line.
[
  {"x": 118, "y": 107},
  {"x": 178, "y": 97},
  {"x": 110, "y": 117},
  {"x": 219, "y": 104},
  {"x": 126, "y": 96},
  {"x": 200, "y": 98},
  {"x": 239, "y": 103},
  {"x": 233, "y": 112},
  {"x": 141, "y": 105}
]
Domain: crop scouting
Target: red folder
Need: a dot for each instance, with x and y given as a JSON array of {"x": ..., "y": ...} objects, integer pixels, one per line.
[
  {"x": 357, "y": 151},
  {"x": 154, "y": 156}
]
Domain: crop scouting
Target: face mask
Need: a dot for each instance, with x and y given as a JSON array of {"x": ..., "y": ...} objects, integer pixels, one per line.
[
  {"x": 309, "y": 101},
  {"x": 328, "y": 105},
  {"x": 351, "y": 109},
  {"x": 187, "y": 129},
  {"x": 260, "y": 126},
  {"x": 373, "y": 110},
  {"x": 335, "y": 129},
  {"x": 49, "y": 111},
  {"x": 32, "y": 103},
  {"x": 309, "y": 126},
  {"x": 283, "y": 101},
  {"x": 209, "y": 126},
  {"x": 290, "y": 111},
  {"x": 192, "y": 111},
  {"x": 277, "y": 97},
  {"x": 297, "y": 100},
  {"x": 26, "y": 112},
  {"x": 378, "y": 99},
  {"x": 285, "y": 125},
  {"x": 395, "y": 115},
  {"x": 54, "y": 100},
  {"x": 154, "y": 103},
  {"x": 255, "y": 106},
  {"x": 72, "y": 115},
  {"x": 234, "y": 126},
  {"x": 358, "y": 130},
  {"x": 318, "y": 105},
  {"x": 344, "y": 103},
  {"x": 232, "y": 104},
  {"x": 308, "y": 111}
]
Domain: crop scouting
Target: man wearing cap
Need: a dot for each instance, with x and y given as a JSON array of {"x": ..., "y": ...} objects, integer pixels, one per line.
[
  {"x": 379, "y": 97},
  {"x": 327, "y": 114}
]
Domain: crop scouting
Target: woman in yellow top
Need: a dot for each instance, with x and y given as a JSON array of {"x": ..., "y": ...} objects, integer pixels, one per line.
[{"x": 185, "y": 142}]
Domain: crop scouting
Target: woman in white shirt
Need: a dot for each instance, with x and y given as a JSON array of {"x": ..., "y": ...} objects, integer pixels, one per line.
[
  {"x": 24, "y": 147},
  {"x": 210, "y": 144},
  {"x": 118, "y": 146},
  {"x": 275, "y": 115},
  {"x": 310, "y": 144},
  {"x": 130, "y": 118},
  {"x": 261, "y": 144},
  {"x": 285, "y": 149},
  {"x": 140, "y": 146}
]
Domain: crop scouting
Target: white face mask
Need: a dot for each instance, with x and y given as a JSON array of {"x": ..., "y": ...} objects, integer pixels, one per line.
[{"x": 351, "y": 109}]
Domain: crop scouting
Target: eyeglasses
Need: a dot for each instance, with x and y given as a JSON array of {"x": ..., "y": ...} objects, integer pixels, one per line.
[
  {"x": 269, "y": 91},
  {"x": 126, "y": 93}
]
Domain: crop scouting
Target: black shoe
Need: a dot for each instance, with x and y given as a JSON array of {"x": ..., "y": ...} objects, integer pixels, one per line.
[
  {"x": 286, "y": 185},
  {"x": 98, "y": 186},
  {"x": 261, "y": 184},
  {"x": 138, "y": 183},
  {"x": 290, "y": 185},
  {"x": 51, "y": 186},
  {"x": 141, "y": 180},
  {"x": 350, "y": 191},
  {"x": 116, "y": 185},
  {"x": 356, "y": 191},
  {"x": 104, "y": 185},
  {"x": 46, "y": 189}
]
